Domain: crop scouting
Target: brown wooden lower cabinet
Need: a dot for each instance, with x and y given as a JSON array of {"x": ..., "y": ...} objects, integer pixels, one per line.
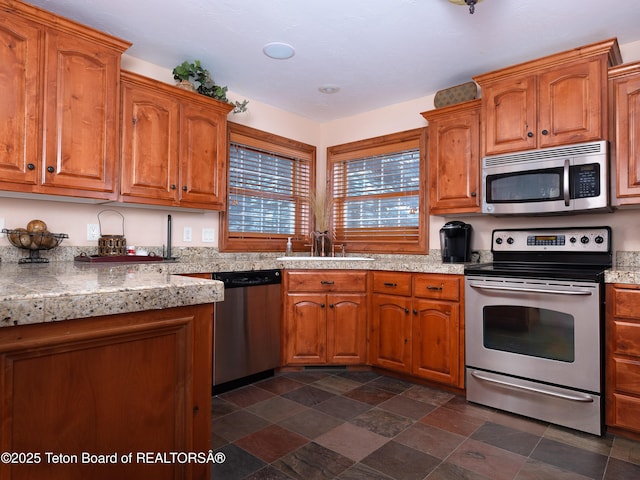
[
  {"x": 325, "y": 317},
  {"x": 417, "y": 326},
  {"x": 623, "y": 357},
  {"x": 131, "y": 383}
]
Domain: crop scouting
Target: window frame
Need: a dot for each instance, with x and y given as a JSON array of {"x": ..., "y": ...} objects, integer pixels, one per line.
[
  {"x": 386, "y": 144},
  {"x": 259, "y": 139}
]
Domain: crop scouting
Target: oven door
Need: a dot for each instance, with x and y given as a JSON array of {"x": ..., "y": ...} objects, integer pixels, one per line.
[{"x": 541, "y": 330}]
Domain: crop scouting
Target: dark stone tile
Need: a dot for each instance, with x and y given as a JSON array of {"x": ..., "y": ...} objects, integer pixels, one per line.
[
  {"x": 310, "y": 423},
  {"x": 536, "y": 470},
  {"x": 359, "y": 376},
  {"x": 487, "y": 460},
  {"x": 237, "y": 425},
  {"x": 571, "y": 458},
  {"x": 407, "y": 407},
  {"x": 308, "y": 376},
  {"x": 279, "y": 384},
  {"x": 276, "y": 408},
  {"x": 271, "y": 443},
  {"x": 508, "y": 438},
  {"x": 452, "y": 421},
  {"x": 427, "y": 439},
  {"x": 369, "y": 394},
  {"x": 362, "y": 472},
  {"x": 449, "y": 471},
  {"x": 245, "y": 396},
  {"x": 216, "y": 441},
  {"x": 618, "y": 469},
  {"x": 428, "y": 395},
  {"x": 313, "y": 462},
  {"x": 237, "y": 465},
  {"x": 342, "y": 407},
  {"x": 387, "y": 424},
  {"x": 391, "y": 384},
  {"x": 220, "y": 407},
  {"x": 308, "y": 395},
  {"x": 401, "y": 462},
  {"x": 267, "y": 473}
]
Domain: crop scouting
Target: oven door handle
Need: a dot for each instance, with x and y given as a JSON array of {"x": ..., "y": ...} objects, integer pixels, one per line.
[
  {"x": 577, "y": 397},
  {"x": 532, "y": 290}
]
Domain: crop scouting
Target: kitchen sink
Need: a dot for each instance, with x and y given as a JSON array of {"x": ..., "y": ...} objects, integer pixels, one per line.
[{"x": 323, "y": 259}]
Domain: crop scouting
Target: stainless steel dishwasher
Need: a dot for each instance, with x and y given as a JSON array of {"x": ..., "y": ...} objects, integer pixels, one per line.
[{"x": 246, "y": 328}]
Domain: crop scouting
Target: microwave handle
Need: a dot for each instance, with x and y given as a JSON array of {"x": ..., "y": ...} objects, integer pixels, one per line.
[{"x": 565, "y": 189}]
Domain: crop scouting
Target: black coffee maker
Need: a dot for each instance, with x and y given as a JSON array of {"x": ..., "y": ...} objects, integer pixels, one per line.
[{"x": 455, "y": 242}]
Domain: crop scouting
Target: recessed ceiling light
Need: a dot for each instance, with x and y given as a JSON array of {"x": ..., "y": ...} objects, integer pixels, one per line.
[
  {"x": 329, "y": 89},
  {"x": 278, "y": 50}
]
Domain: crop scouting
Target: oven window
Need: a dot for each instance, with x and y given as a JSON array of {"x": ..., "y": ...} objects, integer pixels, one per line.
[
  {"x": 531, "y": 331},
  {"x": 530, "y": 186}
]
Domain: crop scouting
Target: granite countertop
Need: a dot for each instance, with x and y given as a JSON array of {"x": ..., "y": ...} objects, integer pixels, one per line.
[
  {"x": 623, "y": 274},
  {"x": 65, "y": 290}
]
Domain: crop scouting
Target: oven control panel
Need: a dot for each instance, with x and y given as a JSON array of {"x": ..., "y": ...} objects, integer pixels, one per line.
[{"x": 574, "y": 239}]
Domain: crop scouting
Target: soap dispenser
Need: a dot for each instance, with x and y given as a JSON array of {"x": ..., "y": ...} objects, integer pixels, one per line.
[{"x": 289, "y": 249}]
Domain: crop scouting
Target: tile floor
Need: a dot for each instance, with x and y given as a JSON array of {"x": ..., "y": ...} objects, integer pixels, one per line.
[{"x": 347, "y": 425}]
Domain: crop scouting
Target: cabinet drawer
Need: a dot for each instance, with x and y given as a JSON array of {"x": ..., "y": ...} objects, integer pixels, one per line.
[
  {"x": 626, "y": 338},
  {"x": 441, "y": 287},
  {"x": 626, "y": 303},
  {"x": 326, "y": 281},
  {"x": 393, "y": 283},
  {"x": 627, "y": 375},
  {"x": 623, "y": 412}
]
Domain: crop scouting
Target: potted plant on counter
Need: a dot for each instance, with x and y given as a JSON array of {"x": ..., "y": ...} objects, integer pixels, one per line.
[{"x": 193, "y": 76}]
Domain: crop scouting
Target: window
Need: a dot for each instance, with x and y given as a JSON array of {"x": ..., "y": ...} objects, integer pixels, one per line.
[
  {"x": 378, "y": 191},
  {"x": 269, "y": 179}
]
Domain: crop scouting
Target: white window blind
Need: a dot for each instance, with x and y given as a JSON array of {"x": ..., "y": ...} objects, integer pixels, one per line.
[
  {"x": 268, "y": 194},
  {"x": 377, "y": 198}
]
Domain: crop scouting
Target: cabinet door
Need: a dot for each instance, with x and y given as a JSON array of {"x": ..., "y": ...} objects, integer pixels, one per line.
[
  {"x": 305, "y": 329},
  {"x": 391, "y": 332},
  {"x": 149, "y": 159},
  {"x": 20, "y": 43},
  {"x": 436, "y": 335},
  {"x": 626, "y": 95},
  {"x": 81, "y": 117},
  {"x": 454, "y": 161},
  {"x": 122, "y": 383},
  {"x": 346, "y": 329},
  {"x": 570, "y": 104},
  {"x": 203, "y": 154},
  {"x": 510, "y": 116}
]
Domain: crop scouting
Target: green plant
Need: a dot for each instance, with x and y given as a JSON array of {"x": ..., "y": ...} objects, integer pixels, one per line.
[{"x": 201, "y": 77}]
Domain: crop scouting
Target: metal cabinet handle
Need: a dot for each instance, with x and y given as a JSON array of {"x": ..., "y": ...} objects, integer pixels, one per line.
[
  {"x": 326, "y": 282},
  {"x": 331, "y": 305},
  {"x": 173, "y": 186},
  {"x": 473, "y": 194},
  {"x": 406, "y": 310},
  {"x": 30, "y": 166},
  {"x": 50, "y": 169},
  {"x": 545, "y": 132},
  {"x": 389, "y": 284},
  {"x": 577, "y": 397},
  {"x": 434, "y": 288},
  {"x": 184, "y": 188},
  {"x": 322, "y": 305},
  {"x": 529, "y": 134}
]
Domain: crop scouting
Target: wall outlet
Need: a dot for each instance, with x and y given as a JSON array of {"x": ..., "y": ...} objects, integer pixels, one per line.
[
  {"x": 187, "y": 234},
  {"x": 93, "y": 232},
  {"x": 207, "y": 235}
]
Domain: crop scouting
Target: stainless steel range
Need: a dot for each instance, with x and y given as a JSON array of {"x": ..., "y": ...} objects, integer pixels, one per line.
[{"x": 534, "y": 325}]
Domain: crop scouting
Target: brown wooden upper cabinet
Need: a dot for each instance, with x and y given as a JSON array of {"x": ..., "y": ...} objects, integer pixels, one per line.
[
  {"x": 454, "y": 158},
  {"x": 59, "y": 106},
  {"x": 624, "y": 90},
  {"x": 556, "y": 100},
  {"x": 174, "y": 149}
]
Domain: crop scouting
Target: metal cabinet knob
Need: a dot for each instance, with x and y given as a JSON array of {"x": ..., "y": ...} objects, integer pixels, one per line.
[
  {"x": 173, "y": 186},
  {"x": 184, "y": 188},
  {"x": 545, "y": 132},
  {"x": 529, "y": 134},
  {"x": 50, "y": 169},
  {"x": 30, "y": 166}
]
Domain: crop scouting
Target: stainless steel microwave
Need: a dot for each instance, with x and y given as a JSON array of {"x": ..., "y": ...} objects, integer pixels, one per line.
[{"x": 567, "y": 179}]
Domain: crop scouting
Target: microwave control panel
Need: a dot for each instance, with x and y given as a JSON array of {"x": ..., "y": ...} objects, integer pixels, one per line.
[{"x": 581, "y": 239}]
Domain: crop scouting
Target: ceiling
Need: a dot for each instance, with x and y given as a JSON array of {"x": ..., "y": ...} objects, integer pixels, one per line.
[{"x": 378, "y": 52}]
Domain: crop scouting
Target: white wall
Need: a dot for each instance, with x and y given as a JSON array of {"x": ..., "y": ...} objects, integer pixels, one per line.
[{"x": 148, "y": 226}]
